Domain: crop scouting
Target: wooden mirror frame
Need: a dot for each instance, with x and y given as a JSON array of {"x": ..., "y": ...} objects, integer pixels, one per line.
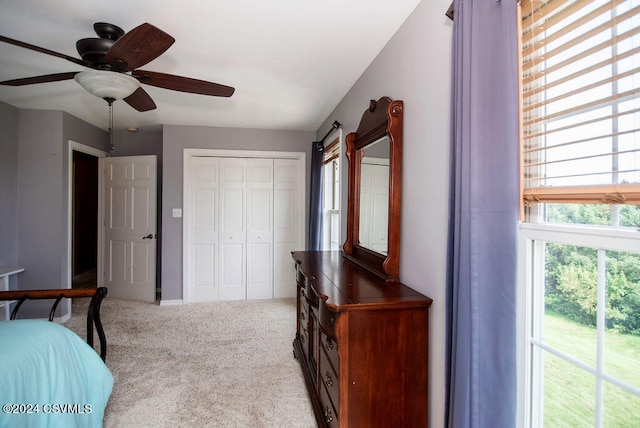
[{"x": 382, "y": 118}]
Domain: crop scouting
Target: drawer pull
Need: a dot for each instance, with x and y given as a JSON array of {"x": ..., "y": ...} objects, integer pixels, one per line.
[
  {"x": 327, "y": 415},
  {"x": 329, "y": 343},
  {"x": 328, "y": 380}
]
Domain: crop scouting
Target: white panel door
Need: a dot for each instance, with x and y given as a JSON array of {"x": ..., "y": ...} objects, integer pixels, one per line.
[
  {"x": 130, "y": 227},
  {"x": 203, "y": 263},
  {"x": 288, "y": 223},
  {"x": 374, "y": 204},
  {"x": 364, "y": 232},
  {"x": 259, "y": 228},
  {"x": 233, "y": 231},
  {"x": 379, "y": 208}
]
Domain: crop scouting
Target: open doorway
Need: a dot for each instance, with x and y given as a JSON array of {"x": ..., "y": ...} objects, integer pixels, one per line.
[{"x": 84, "y": 220}]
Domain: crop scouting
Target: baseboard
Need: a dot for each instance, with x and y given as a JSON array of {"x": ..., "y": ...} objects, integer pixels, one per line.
[{"x": 171, "y": 302}]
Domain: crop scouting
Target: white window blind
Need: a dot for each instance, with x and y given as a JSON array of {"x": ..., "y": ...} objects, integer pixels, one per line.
[
  {"x": 331, "y": 151},
  {"x": 580, "y": 101}
]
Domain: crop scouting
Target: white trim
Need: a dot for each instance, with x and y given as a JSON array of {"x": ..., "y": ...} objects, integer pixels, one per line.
[
  {"x": 600, "y": 333},
  {"x": 606, "y": 238},
  {"x": 532, "y": 238},
  {"x": 74, "y": 145},
  {"x": 523, "y": 327},
  {"x": 188, "y": 154},
  {"x": 172, "y": 302},
  {"x": 79, "y": 147},
  {"x": 243, "y": 153}
]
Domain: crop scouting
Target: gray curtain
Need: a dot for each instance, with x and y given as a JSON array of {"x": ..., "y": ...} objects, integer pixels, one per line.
[
  {"x": 483, "y": 222},
  {"x": 317, "y": 195}
]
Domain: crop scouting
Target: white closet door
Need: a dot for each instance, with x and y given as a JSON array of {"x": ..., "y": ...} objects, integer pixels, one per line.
[
  {"x": 366, "y": 179},
  {"x": 288, "y": 227},
  {"x": 379, "y": 208},
  {"x": 243, "y": 218},
  {"x": 259, "y": 228},
  {"x": 233, "y": 231},
  {"x": 203, "y": 263},
  {"x": 374, "y": 204}
]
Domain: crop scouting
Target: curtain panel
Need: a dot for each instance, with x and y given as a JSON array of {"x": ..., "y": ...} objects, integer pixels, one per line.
[
  {"x": 483, "y": 219},
  {"x": 316, "y": 195}
]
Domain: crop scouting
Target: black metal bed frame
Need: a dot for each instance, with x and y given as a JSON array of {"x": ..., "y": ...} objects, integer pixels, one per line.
[{"x": 93, "y": 312}]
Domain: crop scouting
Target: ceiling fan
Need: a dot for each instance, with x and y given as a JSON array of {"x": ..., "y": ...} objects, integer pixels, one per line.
[{"x": 114, "y": 58}]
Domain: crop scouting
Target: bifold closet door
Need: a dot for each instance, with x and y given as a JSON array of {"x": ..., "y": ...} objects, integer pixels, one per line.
[
  {"x": 233, "y": 229},
  {"x": 203, "y": 260},
  {"x": 246, "y": 229},
  {"x": 246, "y": 219},
  {"x": 288, "y": 225},
  {"x": 259, "y": 228}
]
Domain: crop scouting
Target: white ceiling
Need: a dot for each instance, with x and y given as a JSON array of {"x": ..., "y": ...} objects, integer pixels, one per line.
[{"x": 291, "y": 61}]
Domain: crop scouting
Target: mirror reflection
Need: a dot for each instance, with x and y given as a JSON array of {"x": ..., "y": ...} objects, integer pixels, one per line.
[{"x": 374, "y": 195}]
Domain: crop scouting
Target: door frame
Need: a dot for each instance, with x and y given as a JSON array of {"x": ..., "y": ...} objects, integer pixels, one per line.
[
  {"x": 79, "y": 147},
  {"x": 189, "y": 154}
]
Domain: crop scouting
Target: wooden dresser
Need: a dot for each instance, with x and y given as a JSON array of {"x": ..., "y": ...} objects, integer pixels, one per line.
[{"x": 361, "y": 343}]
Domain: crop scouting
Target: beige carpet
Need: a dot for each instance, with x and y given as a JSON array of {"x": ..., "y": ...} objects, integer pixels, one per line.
[{"x": 219, "y": 364}]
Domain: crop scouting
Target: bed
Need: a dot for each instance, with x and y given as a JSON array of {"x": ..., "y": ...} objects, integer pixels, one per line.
[{"x": 50, "y": 376}]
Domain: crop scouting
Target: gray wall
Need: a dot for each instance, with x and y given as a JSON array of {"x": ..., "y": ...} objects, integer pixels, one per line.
[
  {"x": 415, "y": 67},
  {"x": 177, "y": 138},
  {"x": 9, "y": 185},
  {"x": 42, "y": 197},
  {"x": 147, "y": 141}
]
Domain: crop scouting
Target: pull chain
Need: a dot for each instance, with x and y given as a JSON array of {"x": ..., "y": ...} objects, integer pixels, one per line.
[{"x": 110, "y": 102}]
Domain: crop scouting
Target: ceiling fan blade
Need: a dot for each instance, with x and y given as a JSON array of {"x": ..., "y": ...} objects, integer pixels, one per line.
[
  {"x": 40, "y": 79},
  {"x": 43, "y": 50},
  {"x": 140, "y": 100},
  {"x": 138, "y": 47},
  {"x": 183, "y": 84}
]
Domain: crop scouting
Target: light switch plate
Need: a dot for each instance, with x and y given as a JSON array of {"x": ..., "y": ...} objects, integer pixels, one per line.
[{"x": 177, "y": 212}]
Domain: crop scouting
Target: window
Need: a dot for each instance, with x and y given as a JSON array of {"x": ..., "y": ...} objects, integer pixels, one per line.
[
  {"x": 582, "y": 326},
  {"x": 581, "y": 101},
  {"x": 331, "y": 211},
  {"x": 580, "y": 236}
]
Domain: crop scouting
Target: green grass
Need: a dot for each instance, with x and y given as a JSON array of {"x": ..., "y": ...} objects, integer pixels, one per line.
[{"x": 570, "y": 392}]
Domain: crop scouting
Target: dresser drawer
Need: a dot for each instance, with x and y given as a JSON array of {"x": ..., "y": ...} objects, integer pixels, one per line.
[
  {"x": 310, "y": 294},
  {"x": 306, "y": 290},
  {"x": 329, "y": 414},
  {"x": 300, "y": 278},
  {"x": 304, "y": 313},
  {"x": 304, "y": 341},
  {"x": 327, "y": 318},
  {"x": 328, "y": 376},
  {"x": 330, "y": 347}
]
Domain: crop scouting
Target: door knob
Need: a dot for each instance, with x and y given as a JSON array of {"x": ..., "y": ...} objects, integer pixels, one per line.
[{"x": 149, "y": 236}]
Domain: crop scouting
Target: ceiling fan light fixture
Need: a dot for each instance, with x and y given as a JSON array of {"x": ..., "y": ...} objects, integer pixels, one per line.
[{"x": 107, "y": 84}]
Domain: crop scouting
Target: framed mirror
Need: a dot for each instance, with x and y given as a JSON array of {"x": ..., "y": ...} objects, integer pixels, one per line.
[{"x": 374, "y": 152}]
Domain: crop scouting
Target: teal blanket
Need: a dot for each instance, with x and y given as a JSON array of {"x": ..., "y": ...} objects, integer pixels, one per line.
[{"x": 50, "y": 377}]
